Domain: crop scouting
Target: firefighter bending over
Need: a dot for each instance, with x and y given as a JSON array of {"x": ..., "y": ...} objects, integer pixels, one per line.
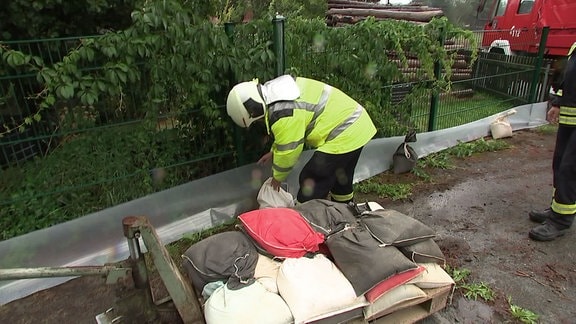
[{"x": 300, "y": 111}]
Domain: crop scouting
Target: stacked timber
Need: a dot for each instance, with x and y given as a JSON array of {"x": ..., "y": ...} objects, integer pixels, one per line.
[
  {"x": 461, "y": 69},
  {"x": 347, "y": 12},
  {"x": 344, "y": 12}
]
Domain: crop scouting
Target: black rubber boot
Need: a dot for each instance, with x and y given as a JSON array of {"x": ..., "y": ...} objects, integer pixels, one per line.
[
  {"x": 540, "y": 216},
  {"x": 548, "y": 231},
  {"x": 555, "y": 226}
]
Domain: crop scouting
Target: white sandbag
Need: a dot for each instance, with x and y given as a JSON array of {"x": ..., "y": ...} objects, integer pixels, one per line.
[
  {"x": 249, "y": 304},
  {"x": 433, "y": 277},
  {"x": 267, "y": 271},
  {"x": 270, "y": 198},
  {"x": 395, "y": 297},
  {"x": 314, "y": 288},
  {"x": 500, "y": 127},
  {"x": 211, "y": 287}
]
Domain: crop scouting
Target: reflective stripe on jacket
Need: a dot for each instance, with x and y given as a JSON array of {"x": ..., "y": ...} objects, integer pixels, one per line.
[
  {"x": 565, "y": 97},
  {"x": 323, "y": 117}
]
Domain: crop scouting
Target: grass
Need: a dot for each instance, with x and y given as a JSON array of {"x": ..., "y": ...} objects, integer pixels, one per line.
[
  {"x": 523, "y": 315},
  {"x": 459, "y": 275},
  {"x": 475, "y": 290},
  {"x": 453, "y": 111},
  {"x": 483, "y": 291},
  {"x": 479, "y": 146},
  {"x": 547, "y": 129},
  {"x": 384, "y": 190},
  {"x": 471, "y": 290},
  {"x": 440, "y": 160}
]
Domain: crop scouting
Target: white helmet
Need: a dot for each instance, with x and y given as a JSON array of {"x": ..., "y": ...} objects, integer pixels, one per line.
[{"x": 245, "y": 103}]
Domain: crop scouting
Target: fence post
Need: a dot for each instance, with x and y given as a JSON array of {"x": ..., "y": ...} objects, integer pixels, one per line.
[
  {"x": 543, "y": 92},
  {"x": 538, "y": 65},
  {"x": 435, "y": 97},
  {"x": 278, "y": 27},
  {"x": 239, "y": 137}
]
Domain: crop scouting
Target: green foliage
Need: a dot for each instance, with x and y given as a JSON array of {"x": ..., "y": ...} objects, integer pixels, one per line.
[
  {"x": 108, "y": 93},
  {"x": 384, "y": 190},
  {"x": 90, "y": 173},
  {"x": 298, "y": 8},
  {"x": 439, "y": 160},
  {"x": 523, "y": 315},
  {"x": 547, "y": 129},
  {"x": 471, "y": 290},
  {"x": 23, "y": 19},
  {"x": 365, "y": 60},
  {"x": 421, "y": 173},
  {"x": 475, "y": 290},
  {"x": 477, "y": 146},
  {"x": 458, "y": 274}
]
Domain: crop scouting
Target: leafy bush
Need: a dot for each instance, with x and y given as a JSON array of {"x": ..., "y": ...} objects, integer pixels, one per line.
[{"x": 105, "y": 100}]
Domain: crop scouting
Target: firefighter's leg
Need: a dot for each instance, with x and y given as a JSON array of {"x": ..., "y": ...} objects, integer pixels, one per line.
[
  {"x": 316, "y": 177},
  {"x": 562, "y": 138},
  {"x": 563, "y": 206},
  {"x": 343, "y": 190}
]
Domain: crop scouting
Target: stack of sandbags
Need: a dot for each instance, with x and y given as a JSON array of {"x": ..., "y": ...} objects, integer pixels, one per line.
[{"x": 319, "y": 261}]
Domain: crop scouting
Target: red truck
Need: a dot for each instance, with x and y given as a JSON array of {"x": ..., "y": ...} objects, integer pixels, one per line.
[{"x": 515, "y": 26}]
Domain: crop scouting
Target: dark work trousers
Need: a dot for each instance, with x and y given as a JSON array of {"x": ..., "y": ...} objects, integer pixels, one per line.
[
  {"x": 328, "y": 173},
  {"x": 564, "y": 167}
]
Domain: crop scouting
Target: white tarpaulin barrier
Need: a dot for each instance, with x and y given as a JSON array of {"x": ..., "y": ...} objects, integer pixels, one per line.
[{"x": 97, "y": 238}]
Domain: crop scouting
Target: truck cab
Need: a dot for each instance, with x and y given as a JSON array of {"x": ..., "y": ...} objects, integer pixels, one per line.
[{"x": 514, "y": 27}]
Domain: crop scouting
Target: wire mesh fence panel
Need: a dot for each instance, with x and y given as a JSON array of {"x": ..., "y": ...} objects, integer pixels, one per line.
[{"x": 78, "y": 158}]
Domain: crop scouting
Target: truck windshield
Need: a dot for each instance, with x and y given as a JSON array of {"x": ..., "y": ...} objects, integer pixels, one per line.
[
  {"x": 525, "y": 6},
  {"x": 501, "y": 8}
]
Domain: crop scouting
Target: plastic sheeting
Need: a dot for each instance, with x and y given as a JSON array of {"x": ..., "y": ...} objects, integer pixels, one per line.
[{"x": 97, "y": 239}]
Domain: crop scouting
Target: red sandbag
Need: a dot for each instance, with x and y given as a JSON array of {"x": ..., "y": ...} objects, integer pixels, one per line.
[{"x": 282, "y": 232}]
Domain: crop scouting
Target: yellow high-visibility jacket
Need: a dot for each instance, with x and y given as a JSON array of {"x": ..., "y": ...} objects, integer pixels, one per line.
[
  {"x": 565, "y": 95},
  {"x": 323, "y": 117}
]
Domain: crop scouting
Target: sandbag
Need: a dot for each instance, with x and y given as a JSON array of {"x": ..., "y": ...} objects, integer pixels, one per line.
[
  {"x": 404, "y": 158},
  {"x": 501, "y": 127},
  {"x": 396, "y": 280},
  {"x": 250, "y": 304},
  {"x": 314, "y": 288},
  {"x": 424, "y": 252},
  {"x": 326, "y": 216},
  {"x": 268, "y": 197},
  {"x": 391, "y": 227},
  {"x": 401, "y": 295},
  {"x": 362, "y": 259},
  {"x": 282, "y": 232},
  {"x": 267, "y": 272},
  {"x": 433, "y": 277},
  {"x": 228, "y": 256}
]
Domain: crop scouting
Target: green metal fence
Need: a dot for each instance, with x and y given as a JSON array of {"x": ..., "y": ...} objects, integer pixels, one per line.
[{"x": 492, "y": 84}]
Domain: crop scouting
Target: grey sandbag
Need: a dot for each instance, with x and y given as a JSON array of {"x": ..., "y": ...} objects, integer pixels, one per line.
[
  {"x": 404, "y": 158},
  {"x": 228, "y": 256},
  {"x": 391, "y": 227},
  {"x": 426, "y": 251},
  {"x": 363, "y": 261},
  {"x": 326, "y": 216}
]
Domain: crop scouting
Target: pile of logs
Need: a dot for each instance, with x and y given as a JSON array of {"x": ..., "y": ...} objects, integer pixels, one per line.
[{"x": 343, "y": 12}]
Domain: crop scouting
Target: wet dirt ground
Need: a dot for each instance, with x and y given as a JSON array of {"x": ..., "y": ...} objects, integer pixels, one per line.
[{"x": 479, "y": 210}]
